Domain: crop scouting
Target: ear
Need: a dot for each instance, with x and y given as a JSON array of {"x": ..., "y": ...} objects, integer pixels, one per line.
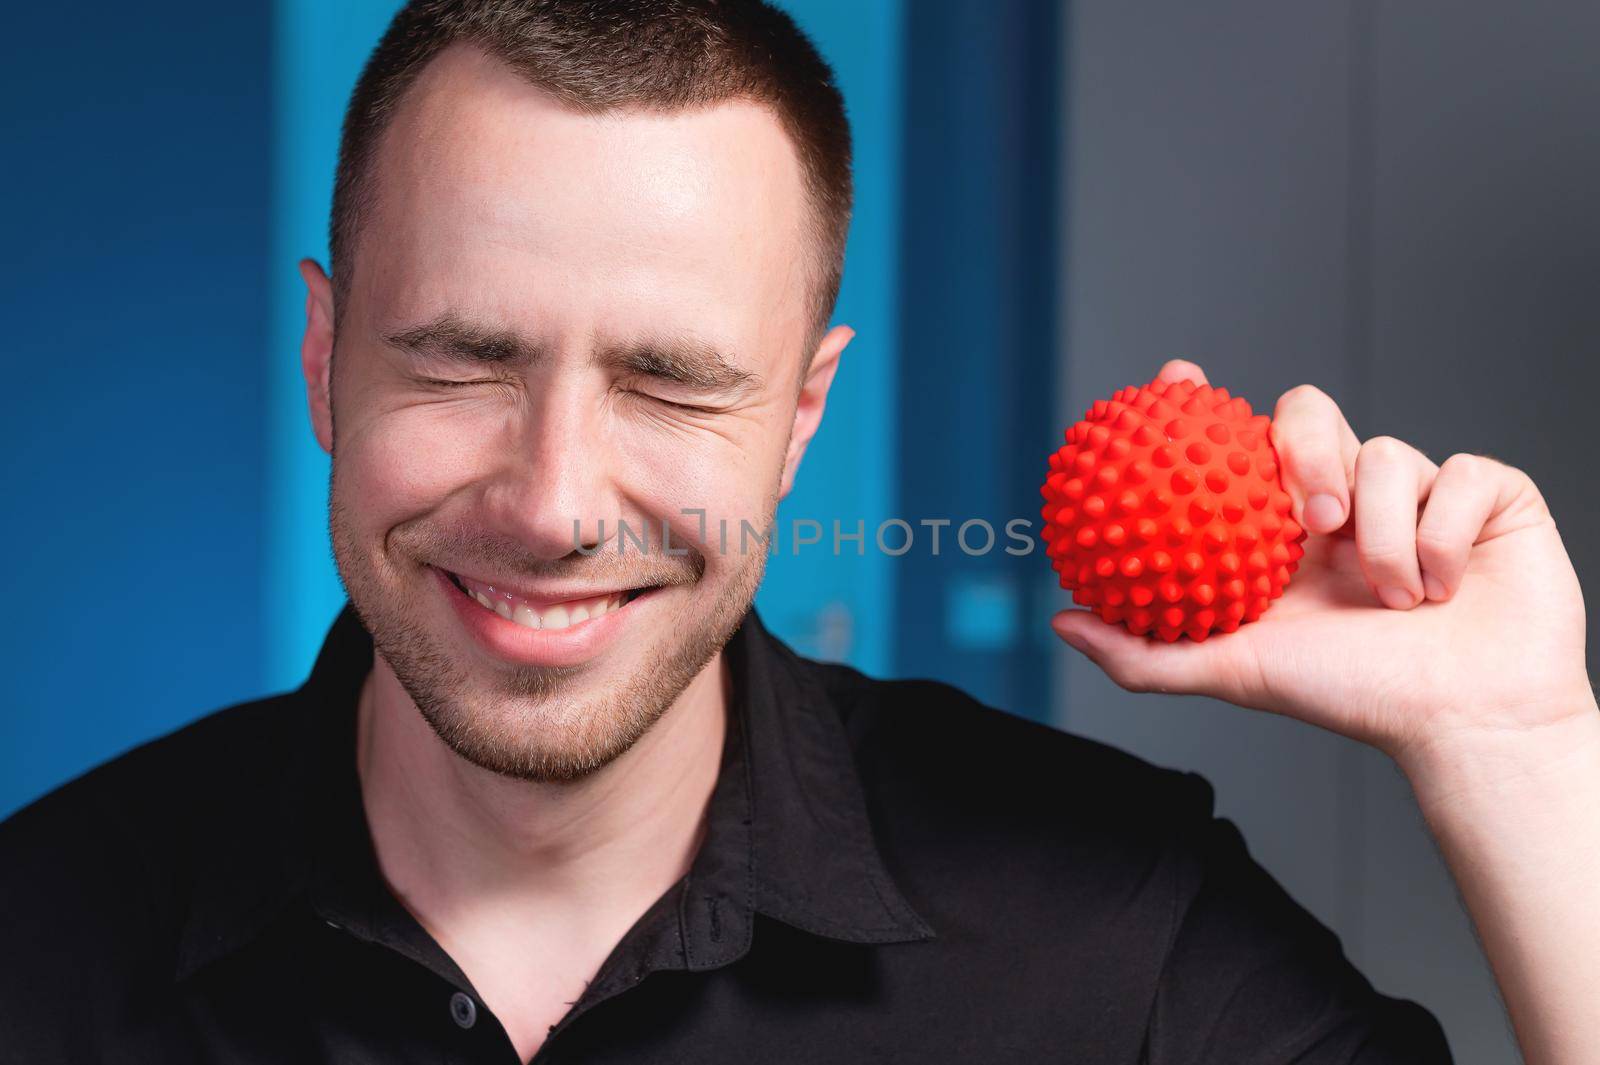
[
  {"x": 316, "y": 351},
  {"x": 813, "y": 398}
]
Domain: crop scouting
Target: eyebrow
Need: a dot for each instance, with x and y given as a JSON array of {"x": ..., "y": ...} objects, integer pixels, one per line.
[
  {"x": 452, "y": 338},
  {"x": 680, "y": 360},
  {"x": 675, "y": 358}
]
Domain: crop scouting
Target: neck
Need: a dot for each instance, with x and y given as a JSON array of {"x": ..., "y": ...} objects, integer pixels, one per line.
[{"x": 454, "y": 840}]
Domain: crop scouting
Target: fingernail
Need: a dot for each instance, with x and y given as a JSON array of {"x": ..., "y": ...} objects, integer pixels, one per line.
[
  {"x": 1433, "y": 587},
  {"x": 1397, "y": 598},
  {"x": 1324, "y": 512}
]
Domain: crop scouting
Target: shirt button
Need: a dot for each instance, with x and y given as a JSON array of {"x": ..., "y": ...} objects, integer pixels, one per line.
[{"x": 463, "y": 1010}]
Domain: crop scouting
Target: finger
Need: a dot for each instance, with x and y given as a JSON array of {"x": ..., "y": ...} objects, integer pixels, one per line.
[
  {"x": 1138, "y": 663},
  {"x": 1181, "y": 370},
  {"x": 1465, "y": 493},
  {"x": 1392, "y": 480},
  {"x": 1317, "y": 450}
]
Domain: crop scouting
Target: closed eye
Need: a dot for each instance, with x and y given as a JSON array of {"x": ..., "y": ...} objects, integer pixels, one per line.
[
  {"x": 689, "y": 408},
  {"x": 446, "y": 382}
]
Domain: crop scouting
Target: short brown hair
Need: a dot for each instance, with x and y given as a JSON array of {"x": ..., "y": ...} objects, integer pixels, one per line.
[{"x": 602, "y": 55}]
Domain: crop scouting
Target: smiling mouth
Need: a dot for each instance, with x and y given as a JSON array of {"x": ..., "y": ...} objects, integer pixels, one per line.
[{"x": 547, "y": 616}]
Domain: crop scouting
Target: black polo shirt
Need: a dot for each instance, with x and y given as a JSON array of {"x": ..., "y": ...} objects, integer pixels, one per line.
[{"x": 892, "y": 872}]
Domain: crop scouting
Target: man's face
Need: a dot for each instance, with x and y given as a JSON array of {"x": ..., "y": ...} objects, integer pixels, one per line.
[{"x": 559, "y": 320}]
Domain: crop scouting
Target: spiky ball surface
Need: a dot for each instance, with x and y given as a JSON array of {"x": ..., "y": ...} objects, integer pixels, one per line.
[{"x": 1165, "y": 512}]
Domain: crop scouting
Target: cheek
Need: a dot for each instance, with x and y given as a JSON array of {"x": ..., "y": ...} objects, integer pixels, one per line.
[
  {"x": 729, "y": 476},
  {"x": 399, "y": 464}
]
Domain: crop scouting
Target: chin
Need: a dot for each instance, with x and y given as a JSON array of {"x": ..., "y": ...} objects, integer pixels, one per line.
[{"x": 540, "y": 723}]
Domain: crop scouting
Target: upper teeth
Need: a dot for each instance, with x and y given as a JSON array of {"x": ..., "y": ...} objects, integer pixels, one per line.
[{"x": 516, "y": 609}]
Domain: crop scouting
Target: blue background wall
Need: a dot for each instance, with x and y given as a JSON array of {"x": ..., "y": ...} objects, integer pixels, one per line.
[
  {"x": 135, "y": 192},
  {"x": 170, "y": 501},
  {"x": 976, "y": 378}
]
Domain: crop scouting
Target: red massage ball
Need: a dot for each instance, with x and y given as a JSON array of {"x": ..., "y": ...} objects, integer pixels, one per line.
[{"x": 1164, "y": 511}]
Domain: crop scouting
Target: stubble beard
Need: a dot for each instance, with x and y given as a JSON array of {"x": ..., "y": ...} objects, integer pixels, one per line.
[{"x": 528, "y": 723}]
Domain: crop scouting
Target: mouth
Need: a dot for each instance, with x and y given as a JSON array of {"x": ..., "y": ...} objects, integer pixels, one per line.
[{"x": 545, "y": 613}]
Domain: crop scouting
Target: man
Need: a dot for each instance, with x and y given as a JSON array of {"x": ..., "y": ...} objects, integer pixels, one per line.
[{"x": 547, "y": 799}]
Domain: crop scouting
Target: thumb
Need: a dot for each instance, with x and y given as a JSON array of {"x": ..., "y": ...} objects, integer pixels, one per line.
[
  {"x": 1137, "y": 663},
  {"x": 1181, "y": 370},
  {"x": 1072, "y": 626}
]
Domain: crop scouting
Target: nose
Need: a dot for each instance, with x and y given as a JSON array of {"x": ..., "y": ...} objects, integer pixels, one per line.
[{"x": 552, "y": 487}]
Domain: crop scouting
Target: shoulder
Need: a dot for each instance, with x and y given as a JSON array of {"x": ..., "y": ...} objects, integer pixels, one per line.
[
  {"x": 95, "y": 875},
  {"x": 1029, "y": 848},
  {"x": 156, "y": 793}
]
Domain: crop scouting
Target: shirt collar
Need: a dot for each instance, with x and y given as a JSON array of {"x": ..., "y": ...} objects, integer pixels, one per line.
[{"x": 787, "y": 835}]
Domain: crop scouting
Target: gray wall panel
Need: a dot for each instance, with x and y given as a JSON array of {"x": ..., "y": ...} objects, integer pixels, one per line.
[{"x": 1394, "y": 202}]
